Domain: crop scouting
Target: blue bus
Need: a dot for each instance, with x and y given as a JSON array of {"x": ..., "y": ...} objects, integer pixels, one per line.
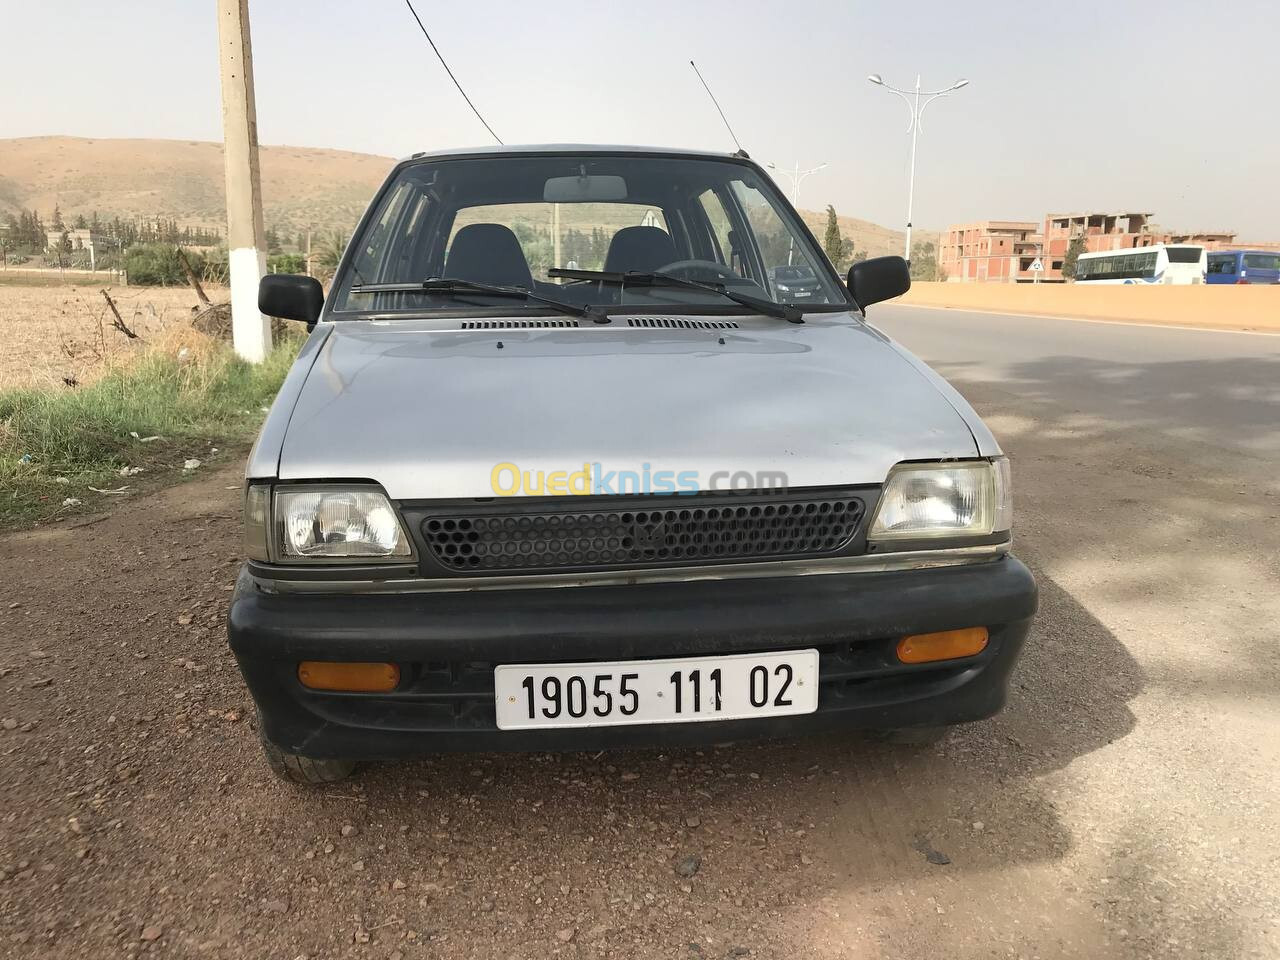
[{"x": 1243, "y": 266}]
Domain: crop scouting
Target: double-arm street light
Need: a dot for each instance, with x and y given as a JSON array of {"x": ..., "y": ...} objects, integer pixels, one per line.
[
  {"x": 797, "y": 177},
  {"x": 912, "y": 99}
]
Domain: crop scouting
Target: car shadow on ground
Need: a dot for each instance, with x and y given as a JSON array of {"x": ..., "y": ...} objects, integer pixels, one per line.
[{"x": 763, "y": 838}]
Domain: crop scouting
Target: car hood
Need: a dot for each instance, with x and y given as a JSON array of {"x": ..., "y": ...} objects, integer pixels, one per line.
[{"x": 429, "y": 410}]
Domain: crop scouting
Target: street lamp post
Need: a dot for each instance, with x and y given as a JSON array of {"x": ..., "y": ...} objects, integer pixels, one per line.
[
  {"x": 797, "y": 177},
  {"x": 912, "y": 100}
]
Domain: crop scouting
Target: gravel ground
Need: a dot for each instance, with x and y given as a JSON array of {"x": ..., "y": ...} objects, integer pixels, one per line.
[{"x": 1123, "y": 806}]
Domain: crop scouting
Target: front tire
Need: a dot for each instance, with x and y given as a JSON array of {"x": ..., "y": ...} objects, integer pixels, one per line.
[{"x": 305, "y": 771}]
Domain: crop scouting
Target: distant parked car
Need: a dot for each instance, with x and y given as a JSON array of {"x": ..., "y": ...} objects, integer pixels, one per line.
[
  {"x": 796, "y": 282},
  {"x": 1243, "y": 266}
]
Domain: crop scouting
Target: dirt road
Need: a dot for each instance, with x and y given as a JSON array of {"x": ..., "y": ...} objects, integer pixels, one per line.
[{"x": 1124, "y": 805}]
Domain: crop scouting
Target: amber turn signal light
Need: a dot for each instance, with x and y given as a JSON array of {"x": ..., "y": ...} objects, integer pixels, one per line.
[
  {"x": 348, "y": 677},
  {"x": 947, "y": 645}
]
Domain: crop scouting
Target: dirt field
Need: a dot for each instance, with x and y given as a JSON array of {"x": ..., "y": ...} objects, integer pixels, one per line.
[
  {"x": 1225, "y": 306},
  {"x": 54, "y": 332},
  {"x": 1124, "y": 806}
]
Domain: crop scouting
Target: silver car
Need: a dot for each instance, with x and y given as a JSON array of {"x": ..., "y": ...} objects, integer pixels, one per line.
[{"x": 563, "y": 465}]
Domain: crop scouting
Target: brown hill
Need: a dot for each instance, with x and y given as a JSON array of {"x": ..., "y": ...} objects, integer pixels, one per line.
[
  {"x": 870, "y": 237},
  {"x": 183, "y": 180}
]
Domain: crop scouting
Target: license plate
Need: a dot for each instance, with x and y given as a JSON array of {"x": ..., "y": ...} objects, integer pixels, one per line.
[{"x": 682, "y": 690}]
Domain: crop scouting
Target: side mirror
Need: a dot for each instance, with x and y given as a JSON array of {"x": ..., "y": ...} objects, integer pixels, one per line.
[
  {"x": 881, "y": 278},
  {"x": 291, "y": 297}
]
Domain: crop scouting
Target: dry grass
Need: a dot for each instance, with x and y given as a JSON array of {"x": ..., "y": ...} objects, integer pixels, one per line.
[
  {"x": 182, "y": 396},
  {"x": 51, "y": 333}
]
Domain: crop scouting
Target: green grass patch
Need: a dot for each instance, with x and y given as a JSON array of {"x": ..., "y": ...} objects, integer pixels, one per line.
[{"x": 54, "y": 445}]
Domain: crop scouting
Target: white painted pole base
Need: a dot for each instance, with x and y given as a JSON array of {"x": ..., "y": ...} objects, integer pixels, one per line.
[{"x": 250, "y": 330}]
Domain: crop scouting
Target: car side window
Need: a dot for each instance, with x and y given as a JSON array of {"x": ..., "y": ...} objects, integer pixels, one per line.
[
  {"x": 375, "y": 252},
  {"x": 718, "y": 219}
]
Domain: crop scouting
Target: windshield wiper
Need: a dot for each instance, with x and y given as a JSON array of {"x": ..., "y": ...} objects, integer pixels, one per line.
[
  {"x": 453, "y": 285},
  {"x": 658, "y": 279}
]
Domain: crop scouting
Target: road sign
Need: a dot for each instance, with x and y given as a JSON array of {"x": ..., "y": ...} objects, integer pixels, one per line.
[{"x": 1036, "y": 266}]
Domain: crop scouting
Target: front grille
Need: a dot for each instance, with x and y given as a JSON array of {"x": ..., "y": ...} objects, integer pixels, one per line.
[{"x": 656, "y": 530}]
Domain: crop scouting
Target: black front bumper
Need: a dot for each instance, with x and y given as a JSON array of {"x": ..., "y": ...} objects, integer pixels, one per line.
[{"x": 447, "y": 644}]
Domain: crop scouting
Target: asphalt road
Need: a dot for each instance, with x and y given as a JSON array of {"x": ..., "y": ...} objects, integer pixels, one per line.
[
  {"x": 1215, "y": 387},
  {"x": 1123, "y": 806}
]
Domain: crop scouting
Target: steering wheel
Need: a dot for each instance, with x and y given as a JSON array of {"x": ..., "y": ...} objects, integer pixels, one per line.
[{"x": 681, "y": 267}]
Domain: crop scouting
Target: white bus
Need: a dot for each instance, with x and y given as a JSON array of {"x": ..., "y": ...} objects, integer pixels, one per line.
[{"x": 1161, "y": 263}]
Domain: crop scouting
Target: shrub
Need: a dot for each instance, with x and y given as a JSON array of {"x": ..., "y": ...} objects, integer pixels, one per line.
[
  {"x": 287, "y": 263},
  {"x": 157, "y": 265},
  {"x": 188, "y": 389}
]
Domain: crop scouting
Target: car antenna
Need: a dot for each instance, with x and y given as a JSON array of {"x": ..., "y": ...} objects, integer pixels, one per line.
[
  {"x": 741, "y": 153},
  {"x": 450, "y": 73}
]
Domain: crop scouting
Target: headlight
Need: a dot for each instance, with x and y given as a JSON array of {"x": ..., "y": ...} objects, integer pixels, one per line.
[
  {"x": 333, "y": 522},
  {"x": 928, "y": 501},
  {"x": 783, "y": 288}
]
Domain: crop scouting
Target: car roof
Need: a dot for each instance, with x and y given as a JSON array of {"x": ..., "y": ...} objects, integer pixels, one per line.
[{"x": 552, "y": 149}]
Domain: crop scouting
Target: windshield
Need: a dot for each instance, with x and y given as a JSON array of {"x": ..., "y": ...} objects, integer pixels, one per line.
[
  {"x": 1184, "y": 254},
  {"x": 512, "y": 221}
]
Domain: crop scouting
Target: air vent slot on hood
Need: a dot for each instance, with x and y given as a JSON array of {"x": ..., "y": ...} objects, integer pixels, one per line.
[
  {"x": 515, "y": 324},
  {"x": 681, "y": 323}
]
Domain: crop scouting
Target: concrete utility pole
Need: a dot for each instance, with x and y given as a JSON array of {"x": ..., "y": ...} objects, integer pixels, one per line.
[{"x": 250, "y": 330}]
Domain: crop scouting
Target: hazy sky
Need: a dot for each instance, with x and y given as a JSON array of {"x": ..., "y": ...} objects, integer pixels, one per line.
[{"x": 1170, "y": 107}]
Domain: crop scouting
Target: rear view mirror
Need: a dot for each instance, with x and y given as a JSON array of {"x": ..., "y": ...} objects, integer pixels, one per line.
[
  {"x": 588, "y": 188},
  {"x": 291, "y": 297},
  {"x": 881, "y": 278}
]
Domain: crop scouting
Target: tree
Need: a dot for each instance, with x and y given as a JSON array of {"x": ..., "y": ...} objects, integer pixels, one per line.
[
  {"x": 832, "y": 242},
  {"x": 924, "y": 261},
  {"x": 57, "y": 224},
  {"x": 81, "y": 223},
  {"x": 1074, "y": 249},
  {"x": 326, "y": 251}
]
